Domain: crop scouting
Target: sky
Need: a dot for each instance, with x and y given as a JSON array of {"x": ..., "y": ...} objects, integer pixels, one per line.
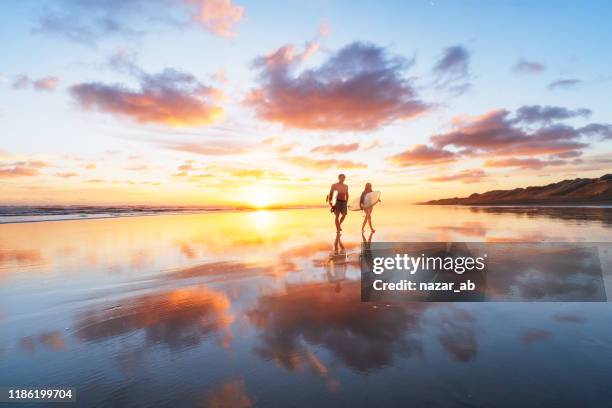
[{"x": 229, "y": 102}]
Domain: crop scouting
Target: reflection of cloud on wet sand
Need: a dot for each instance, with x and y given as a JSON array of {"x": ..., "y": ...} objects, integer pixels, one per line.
[
  {"x": 52, "y": 340},
  {"x": 457, "y": 335},
  {"x": 177, "y": 318},
  {"x": 545, "y": 272},
  {"x": 14, "y": 260},
  {"x": 569, "y": 318},
  {"x": 231, "y": 394},
  {"x": 312, "y": 314},
  {"x": 364, "y": 337},
  {"x": 535, "y": 335},
  {"x": 469, "y": 229}
]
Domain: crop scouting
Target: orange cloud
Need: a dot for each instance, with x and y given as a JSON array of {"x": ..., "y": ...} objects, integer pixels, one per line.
[
  {"x": 324, "y": 164},
  {"x": 422, "y": 155},
  {"x": 526, "y": 163},
  {"x": 335, "y": 148},
  {"x": 220, "y": 17},
  {"x": 21, "y": 168},
  {"x": 170, "y": 98},
  {"x": 67, "y": 174},
  {"x": 213, "y": 148}
]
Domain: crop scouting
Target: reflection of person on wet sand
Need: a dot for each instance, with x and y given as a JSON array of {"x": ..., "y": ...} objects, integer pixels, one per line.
[
  {"x": 366, "y": 243},
  {"x": 340, "y": 207},
  {"x": 367, "y": 211},
  {"x": 336, "y": 265}
]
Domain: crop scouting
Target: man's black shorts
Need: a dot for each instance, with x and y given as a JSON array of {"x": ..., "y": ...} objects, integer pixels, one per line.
[{"x": 340, "y": 207}]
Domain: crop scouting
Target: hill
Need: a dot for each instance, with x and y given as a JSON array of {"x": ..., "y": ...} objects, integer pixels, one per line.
[{"x": 580, "y": 191}]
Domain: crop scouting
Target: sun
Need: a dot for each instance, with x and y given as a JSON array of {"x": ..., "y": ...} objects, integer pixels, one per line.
[{"x": 260, "y": 196}]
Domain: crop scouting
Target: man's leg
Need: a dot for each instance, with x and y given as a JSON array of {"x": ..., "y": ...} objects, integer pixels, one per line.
[
  {"x": 341, "y": 219},
  {"x": 337, "y": 223}
]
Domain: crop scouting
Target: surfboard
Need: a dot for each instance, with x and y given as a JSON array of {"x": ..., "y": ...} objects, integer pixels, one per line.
[{"x": 370, "y": 200}]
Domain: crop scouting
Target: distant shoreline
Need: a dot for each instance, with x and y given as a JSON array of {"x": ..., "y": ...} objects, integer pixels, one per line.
[{"x": 52, "y": 214}]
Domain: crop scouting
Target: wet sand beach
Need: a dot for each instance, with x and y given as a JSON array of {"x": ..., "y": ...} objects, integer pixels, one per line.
[{"x": 243, "y": 309}]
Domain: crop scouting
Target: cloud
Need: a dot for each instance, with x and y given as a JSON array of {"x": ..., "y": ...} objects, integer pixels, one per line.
[
  {"x": 546, "y": 114},
  {"x": 171, "y": 98},
  {"x": 212, "y": 148},
  {"x": 324, "y": 29},
  {"x": 138, "y": 167},
  {"x": 21, "y": 168},
  {"x": 523, "y": 66},
  {"x": 465, "y": 176},
  {"x": 324, "y": 164},
  {"x": 220, "y": 17},
  {"x": 277, "y": 144},
  {"x": 331, "y": 149},
  {"x": 597, "y": 129},
  {"x": 564, "y": 84},
  {"x": 452, "y": 69},
  {"x": 501, "y": 136},
  {"x": 497, "y": 133},
  {"x": 87, "y": 22},
  {"x": 45, "y": 84},
  {"x": 454, "y": 61},
  {"x": 21, "y": 82},
  {"x": 525, "y": 163},
  {"x": 422, "y": 155},
  {"x": 67, "y": 174},
  {"x": 358, "y": 88}
]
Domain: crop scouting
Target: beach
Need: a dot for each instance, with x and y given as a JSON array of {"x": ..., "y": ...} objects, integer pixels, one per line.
[{"x": 243, "y": 308}]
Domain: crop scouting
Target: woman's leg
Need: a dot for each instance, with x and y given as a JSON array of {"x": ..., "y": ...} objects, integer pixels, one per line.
[
  {"x": 369, "y": 217},
  {"x": 364, "y": 220}
]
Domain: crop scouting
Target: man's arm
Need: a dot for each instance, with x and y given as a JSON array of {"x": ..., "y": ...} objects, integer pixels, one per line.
[{"x": 331, "y": 195}]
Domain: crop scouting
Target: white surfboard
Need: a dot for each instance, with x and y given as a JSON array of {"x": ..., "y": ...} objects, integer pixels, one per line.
[{"x": 370, "y": 200}]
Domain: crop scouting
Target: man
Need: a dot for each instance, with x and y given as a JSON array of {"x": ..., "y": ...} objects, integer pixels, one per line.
[{"x": 342, "y": 196}]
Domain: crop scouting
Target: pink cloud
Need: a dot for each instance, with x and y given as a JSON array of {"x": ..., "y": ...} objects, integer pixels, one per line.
[
  {"x": 46, "y": 84},
  {"x": 323, "y": 164},
  {"x": 524, "y": 163},
  {"x": 220, "y": 17},
  {"x": 465, "y": 176},
  {"x": 213, "y": 148},
  {"x": 358, "y": 88},
  {"x": 422, "y": 155}
]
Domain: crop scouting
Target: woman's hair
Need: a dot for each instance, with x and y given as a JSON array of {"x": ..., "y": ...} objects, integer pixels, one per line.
[{"x": 368, "y": 187}]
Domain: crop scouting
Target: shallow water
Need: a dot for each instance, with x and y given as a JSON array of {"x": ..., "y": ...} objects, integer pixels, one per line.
[{"x": 242, "y": 308}]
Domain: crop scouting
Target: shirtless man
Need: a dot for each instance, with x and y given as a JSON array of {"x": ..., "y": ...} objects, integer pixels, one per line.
[{"x": 341, "y": 200}]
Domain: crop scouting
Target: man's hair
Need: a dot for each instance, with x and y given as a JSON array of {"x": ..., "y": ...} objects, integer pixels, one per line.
[{"x": 341, "y": 175}]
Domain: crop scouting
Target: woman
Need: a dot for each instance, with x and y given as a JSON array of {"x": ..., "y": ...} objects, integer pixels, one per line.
[{"x": 368, "y": 211}]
